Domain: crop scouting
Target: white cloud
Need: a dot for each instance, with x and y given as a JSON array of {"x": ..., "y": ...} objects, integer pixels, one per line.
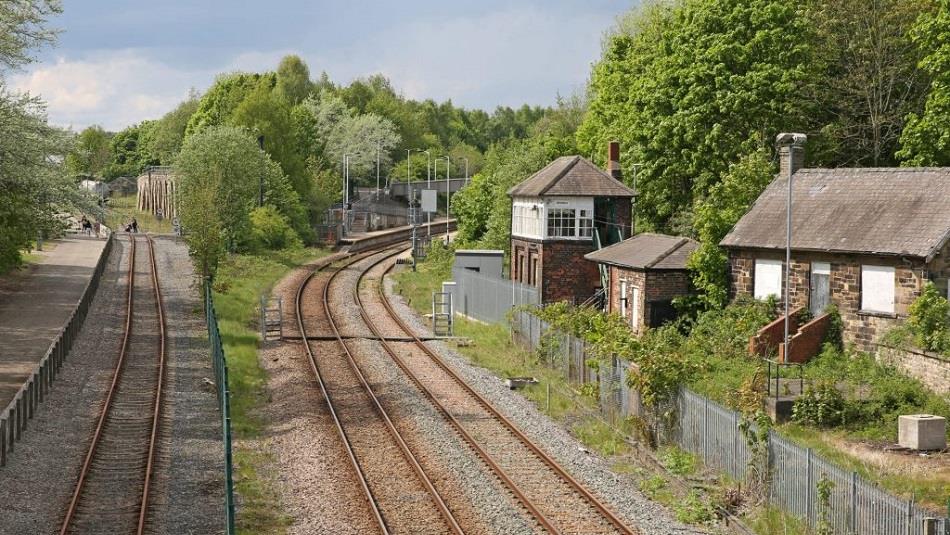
[
  {"x": 503, "y": 57},
  {"x": 113, "y": 89}
]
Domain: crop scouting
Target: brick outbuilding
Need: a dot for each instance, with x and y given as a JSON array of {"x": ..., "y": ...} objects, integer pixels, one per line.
[
  {"x": 646, "y": 272},
  {"x": 561, "y": 213},
  {"x": 864, "y": 239}
]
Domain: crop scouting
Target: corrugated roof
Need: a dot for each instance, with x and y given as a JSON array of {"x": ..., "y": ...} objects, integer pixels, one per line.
[
  {"x": 890, "y": 211},
  {"x": 647, "y": 251},
  {"x": 571, "y": 176}
]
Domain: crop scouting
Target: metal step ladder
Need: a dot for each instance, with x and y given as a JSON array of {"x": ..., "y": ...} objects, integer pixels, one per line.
[
  {"x": 272, "y": 326},
  {"x": 442, "y": 323}
]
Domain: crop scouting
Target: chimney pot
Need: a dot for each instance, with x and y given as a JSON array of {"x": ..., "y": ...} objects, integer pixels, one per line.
[
  {"x": 791, "y": 151},
  {"x": 613, "y": 160}
]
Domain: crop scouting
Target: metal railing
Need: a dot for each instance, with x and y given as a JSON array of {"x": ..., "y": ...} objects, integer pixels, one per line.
[
  {"x": 36, "y": 388},
  {"x": 712, "y": 432},
  {"x": 220, "y": 365}
]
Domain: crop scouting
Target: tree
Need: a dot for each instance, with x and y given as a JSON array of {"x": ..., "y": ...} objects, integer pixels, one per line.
[
  {"x": 926, "y": 138},
  {"x": 168, "y": 133},
  {"x": 130, "y": 155},
  {"x": 293, "y": 79},
  {"x": 870, "y": 81},
  {"x": 225, "y": 95},
  {"x": 685, "y": 87},
  {"x": 715, "y": 216},
  {"x": 91, "y": 153},
  {"x": 23, "y": 28},
  {"x": 219, "y": 170}
]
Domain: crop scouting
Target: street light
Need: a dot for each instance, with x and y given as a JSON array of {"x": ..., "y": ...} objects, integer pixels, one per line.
[
  {"x": 260, "y": 143},
  {"x": 428, "y": 186},
  {"x": 448, "y": 196},
  {"x": 377, "y": 170},
  {"x": 793, "y": 141},
  {"x": 466, "y": 170}
]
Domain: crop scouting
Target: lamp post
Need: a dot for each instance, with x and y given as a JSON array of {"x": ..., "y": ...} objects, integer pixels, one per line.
[
  {"x": 428, "y": 186},
  {"x": 260, "y": 143},
  {"x": 793, "y": 141},
  {"x": 377, "y": 170},
  {"x": 466, "y": 170},
  {"x": 448, "y": 197}
]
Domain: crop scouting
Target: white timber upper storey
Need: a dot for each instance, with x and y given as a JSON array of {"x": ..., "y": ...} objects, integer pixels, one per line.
[{"x": 558, "y": 218}]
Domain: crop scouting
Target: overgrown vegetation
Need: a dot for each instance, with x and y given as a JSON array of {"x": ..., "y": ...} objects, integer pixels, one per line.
[{"x": 240, "y": 281}]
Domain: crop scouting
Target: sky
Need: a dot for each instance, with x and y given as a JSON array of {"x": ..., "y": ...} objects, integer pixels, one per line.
[{"x": 118, "y": 63}]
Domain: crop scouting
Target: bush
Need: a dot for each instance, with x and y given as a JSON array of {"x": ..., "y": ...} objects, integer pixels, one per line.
[
  {"x": 271, "y": 230},
  {"x": 820, "y": 405},
  {"x": 929, "y": 320}
]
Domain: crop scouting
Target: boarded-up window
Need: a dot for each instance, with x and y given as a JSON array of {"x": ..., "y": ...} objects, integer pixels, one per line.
[
  {"x": 877, "y": 289},
  {"x": 768, "y": 278}
]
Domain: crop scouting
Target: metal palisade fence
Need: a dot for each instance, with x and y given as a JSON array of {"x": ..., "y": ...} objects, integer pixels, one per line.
[
  {"x": 488, "y": 298},
  {"x": 712, "y": 432},
  {"x": 220, "y": 365}
]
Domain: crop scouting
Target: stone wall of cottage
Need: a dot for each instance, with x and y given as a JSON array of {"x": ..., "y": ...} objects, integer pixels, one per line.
[
  {"x": 860, "y": 327},
  {"x": 634, "y": 279}
]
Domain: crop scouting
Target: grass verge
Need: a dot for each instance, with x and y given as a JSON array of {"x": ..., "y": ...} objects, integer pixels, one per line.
[
  {"x": 240, "y": 281},
  {"x": 121, "y": 210}
]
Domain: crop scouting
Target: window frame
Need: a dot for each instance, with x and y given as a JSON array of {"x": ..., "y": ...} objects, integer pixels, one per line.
[
  {"x": 757, "y": 277},
  {"x": 870, "y": 299}
]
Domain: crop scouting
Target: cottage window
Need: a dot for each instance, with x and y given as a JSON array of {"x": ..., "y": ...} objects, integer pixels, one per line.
[
  {"x": 767, "y": 278},
  {"x": 623, "y": 299},
  {"x": 561, "y": 222},
  {"x": 877, "y": 289}
]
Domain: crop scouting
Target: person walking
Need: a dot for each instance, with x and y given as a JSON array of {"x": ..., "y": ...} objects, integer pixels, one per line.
[{"x": 135, "y": 226}]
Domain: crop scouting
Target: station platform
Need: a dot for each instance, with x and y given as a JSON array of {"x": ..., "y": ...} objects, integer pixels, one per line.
[
  {"x": 359, "y": 241},
  {"x": 36, "y": 302}
]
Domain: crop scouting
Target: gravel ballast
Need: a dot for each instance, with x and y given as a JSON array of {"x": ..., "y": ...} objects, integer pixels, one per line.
[{"x": 616, "y": 490}]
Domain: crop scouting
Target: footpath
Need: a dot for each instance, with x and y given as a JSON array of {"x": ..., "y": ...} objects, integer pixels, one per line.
[{"x": 36, "y": 303}]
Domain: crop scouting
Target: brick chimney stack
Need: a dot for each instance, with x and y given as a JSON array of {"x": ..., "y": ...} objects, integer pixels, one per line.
[
  {"x": 613, "y": 160},
  {"x": 791, "y": 152}
]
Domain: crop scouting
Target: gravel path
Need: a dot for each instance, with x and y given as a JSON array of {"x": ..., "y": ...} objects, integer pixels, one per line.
[
  {"x": 192, "y": 473},
  {"x": 37, "y": 483},
  {"x": 619, "y": 492}
]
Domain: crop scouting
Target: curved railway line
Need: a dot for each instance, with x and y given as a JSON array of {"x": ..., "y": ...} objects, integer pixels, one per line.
[
  {"x": 556, "y": 501},
  {"x": 112, "y": 492}
]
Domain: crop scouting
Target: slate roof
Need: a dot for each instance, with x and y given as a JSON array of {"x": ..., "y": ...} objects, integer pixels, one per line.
[
  {"x": 647, "y": 251},
  {"x": 571, "y": 176},
  {"x": 901, "y": 211}
]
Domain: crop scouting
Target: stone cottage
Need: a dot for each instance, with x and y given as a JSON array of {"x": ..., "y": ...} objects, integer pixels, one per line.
[
  {"x": 865, "y": 239},
  {"x": 646, "y": 272},
  {"x": 564, "y": 211}
]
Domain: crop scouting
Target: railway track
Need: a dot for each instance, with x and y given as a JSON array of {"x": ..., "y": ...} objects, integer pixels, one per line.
[
  {"x": 558, "y": 502},
  {"x": 399, "y": 494},
  {"x": 112, "y": 492}
]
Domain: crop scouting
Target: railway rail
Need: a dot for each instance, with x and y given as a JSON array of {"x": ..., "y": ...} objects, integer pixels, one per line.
[
  {"x": 399, "y": 493},
  {"x": 112, "y": 492},
  {"x": 548, "y": 493},
  {"x": 558, "y": 502}
]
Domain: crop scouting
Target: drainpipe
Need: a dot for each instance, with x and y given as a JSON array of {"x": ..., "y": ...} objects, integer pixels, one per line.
[{"x": 794, "y": 142}]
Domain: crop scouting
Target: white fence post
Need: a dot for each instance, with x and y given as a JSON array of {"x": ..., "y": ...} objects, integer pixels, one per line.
[{"x": 854, "y": 502}]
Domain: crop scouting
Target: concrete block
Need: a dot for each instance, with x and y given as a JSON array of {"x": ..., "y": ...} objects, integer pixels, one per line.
[{"x": 922, "y": 431}]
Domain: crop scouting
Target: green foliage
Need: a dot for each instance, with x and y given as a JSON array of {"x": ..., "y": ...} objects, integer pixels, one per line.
[
  {"x": 271, "y": 230},
  {"x": 824, "y": 488},
  {"x": 695, "y": 509},
  {"x": 24, "y": 29},
  {"x": 925, "y": 139},
  {"x": 821, "y": 405},
  {"x": 678, "y": 461},
  {"x": 129, "y": 152},
  {"x": 440, "y": 258},
  {"x": 218, "y": 171},
  {"x": 715, "y": 215},
  {"x": 225, "y": 95},
  {"x": 930, "y": 319},
  {"x": 690, "y": 87},
  {"x": 293, "y": 79},
  {"x": 91, "y": 153},
  {"x": 167, "y": 134},
  {"x": 835, "y": 327}
]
